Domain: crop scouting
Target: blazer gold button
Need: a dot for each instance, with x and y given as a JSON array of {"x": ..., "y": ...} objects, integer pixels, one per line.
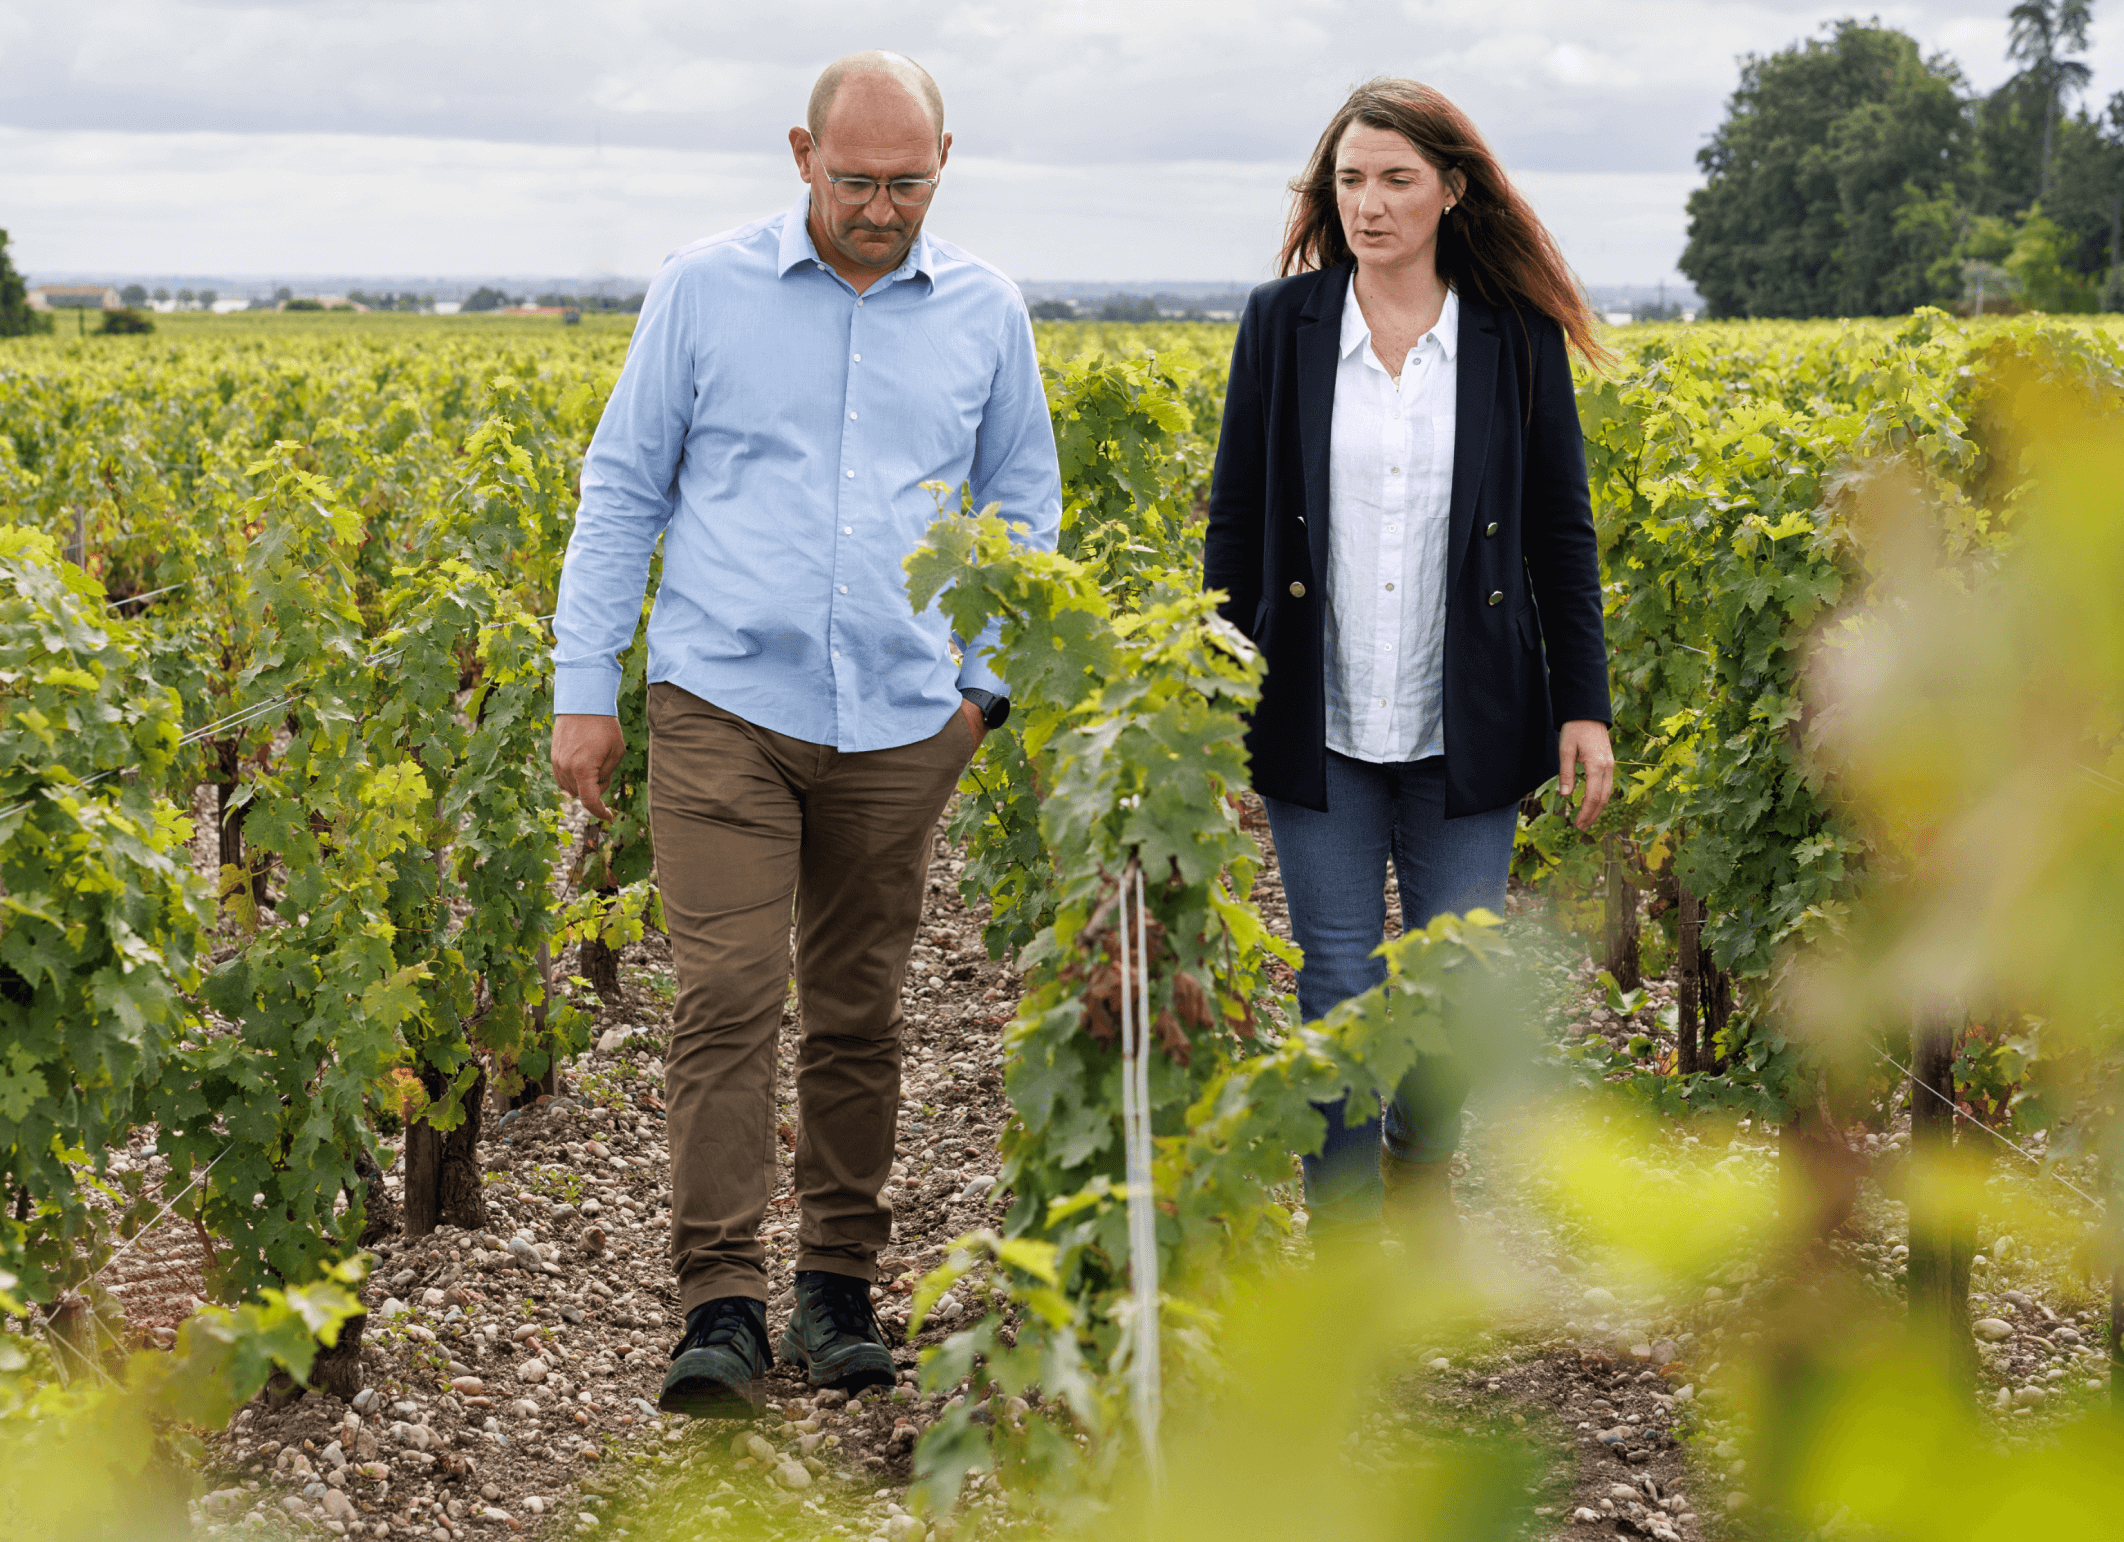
[
  {"x": 1493, "y": 528},
  {"x": 1297, "y": 591},
  {"x": 1496, "y": 595}
]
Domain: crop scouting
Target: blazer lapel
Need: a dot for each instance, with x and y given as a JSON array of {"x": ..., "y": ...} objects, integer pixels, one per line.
[
  {"x": 1319, "y": 337},
  {"x": 1474, "y": 394}
]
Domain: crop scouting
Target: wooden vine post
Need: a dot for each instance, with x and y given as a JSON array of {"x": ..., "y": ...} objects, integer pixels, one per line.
[
  {"x": 1624, "y": 958},
  {"x": 1688, "y": 971},
  {"x": 1942, "y": 1240}
]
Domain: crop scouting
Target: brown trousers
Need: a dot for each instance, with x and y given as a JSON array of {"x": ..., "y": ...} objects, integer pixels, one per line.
[{"x": 747, "y": 823}]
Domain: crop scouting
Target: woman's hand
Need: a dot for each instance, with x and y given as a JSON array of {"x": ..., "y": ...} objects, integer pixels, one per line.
[{"x": 1584, "y": 741}]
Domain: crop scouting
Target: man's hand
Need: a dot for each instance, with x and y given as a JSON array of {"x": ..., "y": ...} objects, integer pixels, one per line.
[
  {"x": 1585, "y": 741},
  {"x": 586, "y": 751},
  {"x": 973, "y": 721}
]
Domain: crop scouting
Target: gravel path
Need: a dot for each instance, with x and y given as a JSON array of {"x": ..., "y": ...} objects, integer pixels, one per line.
[{"x": 510, "y": 1373}]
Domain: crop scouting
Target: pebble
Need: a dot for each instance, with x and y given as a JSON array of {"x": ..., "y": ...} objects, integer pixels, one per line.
[
  {"x": 469, "y": 1385},
  {"x": 366, "y": 1400},
  {"x": 792, "y": 1476},
  {"x": 1600, "y": 1300},
  {"x": 1993, "y": 1329},
  {"x": 392, "y": 1307}
]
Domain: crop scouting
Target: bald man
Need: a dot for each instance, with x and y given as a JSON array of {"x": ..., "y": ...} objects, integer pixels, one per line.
[{"x": 792, "y": 385}]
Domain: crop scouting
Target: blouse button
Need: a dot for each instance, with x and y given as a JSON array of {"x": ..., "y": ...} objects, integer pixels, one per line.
[
  {"x": 1297, "y": 591},
  {"x": 1492, "y": 530},
  {"x": 1496, "y": 595}
]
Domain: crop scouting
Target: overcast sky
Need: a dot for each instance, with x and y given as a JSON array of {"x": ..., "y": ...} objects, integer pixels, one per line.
[{"x": 1121, "y": 140}]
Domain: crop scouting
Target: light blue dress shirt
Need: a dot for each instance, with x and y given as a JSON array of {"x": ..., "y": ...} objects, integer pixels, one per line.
[{"x": 776, "y": 428}]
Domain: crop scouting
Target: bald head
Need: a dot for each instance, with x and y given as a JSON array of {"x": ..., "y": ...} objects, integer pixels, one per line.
[{"x": 873, "y": 65}]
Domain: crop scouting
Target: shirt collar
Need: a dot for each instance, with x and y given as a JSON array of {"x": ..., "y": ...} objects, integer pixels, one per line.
[
  {"x": 798, "y": 248},
  {"x": 1356, "y": 331}
]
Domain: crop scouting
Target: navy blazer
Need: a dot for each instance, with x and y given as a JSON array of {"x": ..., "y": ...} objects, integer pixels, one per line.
[{"x": 1522, "y": 561}]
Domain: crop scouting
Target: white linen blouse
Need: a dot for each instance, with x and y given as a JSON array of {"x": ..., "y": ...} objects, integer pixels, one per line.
[{"x": 1390, "y": 487}]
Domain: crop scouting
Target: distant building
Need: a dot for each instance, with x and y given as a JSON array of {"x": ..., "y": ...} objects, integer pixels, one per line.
[
  {"x": 448, "y": 307},
  {"x": 75, "y": 297},
  {"x": 1619, "y": 318}
]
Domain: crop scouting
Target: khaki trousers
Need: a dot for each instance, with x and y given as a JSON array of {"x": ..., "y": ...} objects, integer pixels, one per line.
[{"x": 749, "y": 825}]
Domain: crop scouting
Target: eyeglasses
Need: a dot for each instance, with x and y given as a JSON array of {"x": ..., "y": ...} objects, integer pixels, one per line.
[{"x": 907, "y": 192}]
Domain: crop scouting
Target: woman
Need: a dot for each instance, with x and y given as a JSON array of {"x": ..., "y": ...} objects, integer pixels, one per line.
[{"x": 1399, "y": 518}]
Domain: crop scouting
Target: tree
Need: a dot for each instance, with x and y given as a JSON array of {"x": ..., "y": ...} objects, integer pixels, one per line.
[
  {"x": 1824, "y": 147},
  {"x": 134, "y": 294},
  {"x": 16, "y": 317},
  {"x": 1126, "y": 307},
  {"x": 1054, "y": 310},
  {"x": 2041, "y": 34},
  {"x": 485, "y": 299},
  {"x": 161, "y": 295},
  {"x": 207, "y": 297}
]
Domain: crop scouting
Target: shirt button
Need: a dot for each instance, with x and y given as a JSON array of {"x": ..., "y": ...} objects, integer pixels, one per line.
[
  {"x": 1492, "y": 530},
  {"x": 1297, "y": 591},
  {"x": 836, "y": 653},
  {"x": 1496, "y": 595},
  {"x": 859, "y": 302},
  {"x": 1391, "y": 529},
  {"x": 844, "y": 588},
  {"x": 1382, "y": 701},
  {"x": 1390, "y": 588},
  {"x": 851, "y": 473},
  {"x": 1393, "y": 471},
  {"x": 859, "y": 358},
  {"x": 848, "y": 530},
  {"x": 852, "y": 418}
]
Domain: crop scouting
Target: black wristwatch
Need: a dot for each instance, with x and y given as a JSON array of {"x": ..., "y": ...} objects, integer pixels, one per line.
[{"x": 993, "y": 708}]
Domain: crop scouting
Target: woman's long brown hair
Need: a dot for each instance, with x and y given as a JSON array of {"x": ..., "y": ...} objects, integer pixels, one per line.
[{"x": 1491, "y": 244}]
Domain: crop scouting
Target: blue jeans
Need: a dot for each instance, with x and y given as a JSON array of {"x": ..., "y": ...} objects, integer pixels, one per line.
[{"x": 1334, "y": 869}]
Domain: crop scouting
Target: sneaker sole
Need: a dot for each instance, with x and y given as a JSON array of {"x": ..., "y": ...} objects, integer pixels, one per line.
[
  {"x": 699, "y": 1392},
  {"x": 853, "y": 1380}
]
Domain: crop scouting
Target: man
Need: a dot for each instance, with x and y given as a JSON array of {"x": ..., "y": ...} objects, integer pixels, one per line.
[{"x": 791, "y": 386}]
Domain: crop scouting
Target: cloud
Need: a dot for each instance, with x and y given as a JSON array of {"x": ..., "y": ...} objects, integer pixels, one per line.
[
  {"x": 289, "y": 204},
  {"x": 1096, "y": 138}
]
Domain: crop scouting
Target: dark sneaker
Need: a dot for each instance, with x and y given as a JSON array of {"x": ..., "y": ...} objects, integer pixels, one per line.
[
  {"x": 834, "y": 1333},
  {"x": 1419, "y": 1207},
  {"x": 718, "y": 1369}
]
